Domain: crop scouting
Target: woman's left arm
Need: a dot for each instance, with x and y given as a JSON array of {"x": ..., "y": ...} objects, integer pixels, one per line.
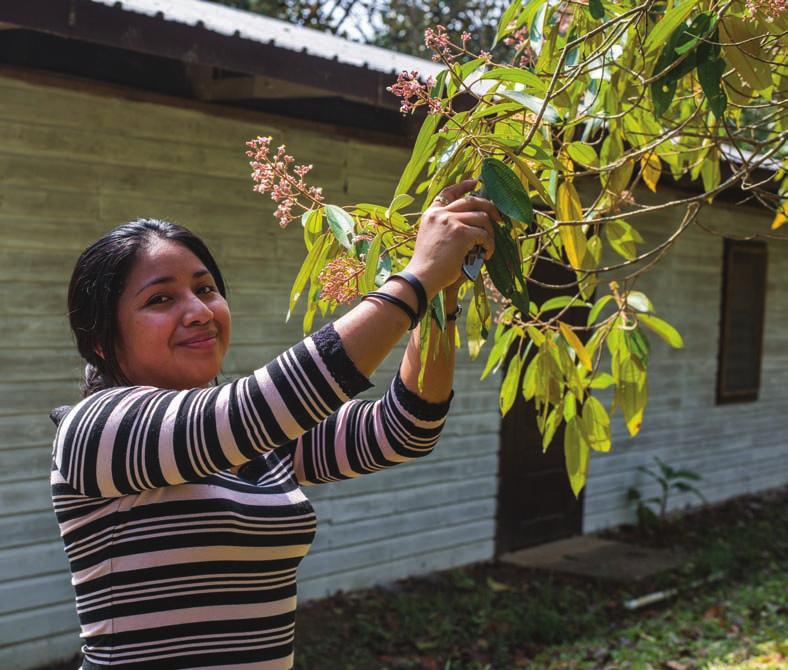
[{"x": 365, "y": 436}]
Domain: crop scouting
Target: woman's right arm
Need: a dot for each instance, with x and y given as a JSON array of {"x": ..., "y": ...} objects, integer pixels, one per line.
[
  {"x": 125, "y": 440},
  {"x": 128, "y": 439}
]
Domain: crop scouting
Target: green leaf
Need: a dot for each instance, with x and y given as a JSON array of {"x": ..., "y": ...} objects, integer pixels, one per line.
[
  {"x": 516, "y": 75},
  {"x": 422, "y": 150},
  {"x": 498, "y": 351},
  {"x": 639, "y": 301},
  {"x": 582, "y": 153},
  {"x": 305, "y": 273},
  {"x": 529, "y": 378},
  {"x": 596, "y": 9},
  {"x": 510, "y": 385},
  {"x": 602, "y": 380},
  {"x": 710, "y": 78},
  {"x": 661, "y": 31},
  {"x": 534, "y": 104},
  {"x": 638, "y": 345},
  {"x": 506, "y": 191},
  {"x": 681, "y": 45},
  {"x": 622, "y": 238},
  {"x": 401, "y": 200},
  {"x": 663, "y": 329},
  {"x": 550, "y": 426},
  {"x": 597, "y": 308},
  {"x": 505, "y": 270},
  {"x": 312, "y": 223},
  {"x": 506, "y": 18},
  {"x": 440, "y": 81},
  {"x": 569, "y": 409},
  {"x": 439, "y": 310},
  {"x": 576, "y": 451},
  {"x": 536, "y": 30},
  {"x": 596, "y": 424},
  {"x": 372, "y": 259},
  {"x": 561, "y": 301},
  {"x": 341, "y": 224},
  {"x": 473, "y": 329},
  {"x": 425, "y": 327}
]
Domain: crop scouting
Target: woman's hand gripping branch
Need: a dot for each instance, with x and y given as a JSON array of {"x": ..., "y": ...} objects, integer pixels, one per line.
[{"x": 451, "y": 227}]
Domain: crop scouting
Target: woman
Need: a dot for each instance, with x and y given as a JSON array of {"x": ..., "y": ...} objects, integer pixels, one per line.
[{"x": 178, "y": 499}]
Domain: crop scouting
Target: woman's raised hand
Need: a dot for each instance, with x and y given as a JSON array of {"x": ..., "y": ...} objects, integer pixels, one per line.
[{"x": 449, "y": 229}]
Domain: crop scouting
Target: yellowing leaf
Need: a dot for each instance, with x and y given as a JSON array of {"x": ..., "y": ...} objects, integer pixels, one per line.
[
  {"x": 510, "y": 385},
  {"x": 569, "y": 208},
  {"x": 631, "y": 392},
  {"x": 596, "y": 424},
  {"x": 651, "y": 169},
  {"x": 741, "y": 44},
  {"x": 781, "y": 215},
  {"x": 576, "y": 452},
  {"x": 577, "y": 345}
]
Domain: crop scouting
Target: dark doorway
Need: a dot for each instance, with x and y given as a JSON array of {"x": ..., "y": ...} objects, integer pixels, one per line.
[{"x": 535, "y": 502}]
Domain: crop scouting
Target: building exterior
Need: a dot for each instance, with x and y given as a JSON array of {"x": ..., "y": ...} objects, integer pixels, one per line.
[{"x": 113, "y": 111}]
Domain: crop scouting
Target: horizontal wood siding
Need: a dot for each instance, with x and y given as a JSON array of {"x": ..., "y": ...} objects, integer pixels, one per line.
[
  {"x": 737, "y": 448},
  {"x": 72, "y": 165}
]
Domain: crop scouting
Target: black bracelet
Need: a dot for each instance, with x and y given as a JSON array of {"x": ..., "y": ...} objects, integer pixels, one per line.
[
  {"x": 450, "y": 316},
  {"x": 399, "y": 302},
  {"x": 418, "y": 287}
]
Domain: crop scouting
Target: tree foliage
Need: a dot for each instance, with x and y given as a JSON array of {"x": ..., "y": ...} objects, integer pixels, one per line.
[
  {"x": 591, "y": 104},
  {"x": 392, "y": 24}
]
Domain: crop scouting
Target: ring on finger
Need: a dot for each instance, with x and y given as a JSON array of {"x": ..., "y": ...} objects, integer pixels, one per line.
[{"x": 441, "y": 199}]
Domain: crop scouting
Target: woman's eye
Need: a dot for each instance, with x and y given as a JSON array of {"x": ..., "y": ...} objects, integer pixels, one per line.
[
  {"x": 157, "y": 300},
  {"x": 207, "y": 288}
]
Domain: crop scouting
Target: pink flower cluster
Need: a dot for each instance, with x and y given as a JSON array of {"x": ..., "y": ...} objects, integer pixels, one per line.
[
  {"x": 773, "y": 9},
  {"x": 438, "y": 41},
  {"x": 339, "y": 279},
  {"x": 413, "y": 92},
  {"x": 272, "y": 174}
]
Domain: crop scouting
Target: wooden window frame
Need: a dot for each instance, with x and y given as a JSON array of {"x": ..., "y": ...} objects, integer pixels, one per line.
[{"x": 725, "y": 395}]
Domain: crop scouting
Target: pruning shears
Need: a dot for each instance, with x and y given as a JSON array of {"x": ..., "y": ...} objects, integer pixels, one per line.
[{"x": 474, "y": 259}]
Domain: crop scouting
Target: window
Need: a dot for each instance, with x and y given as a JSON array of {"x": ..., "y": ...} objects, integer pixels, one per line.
[{"x": 741, "y": 322}]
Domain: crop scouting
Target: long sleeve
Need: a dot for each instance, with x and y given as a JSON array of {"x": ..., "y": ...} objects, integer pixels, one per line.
[
  {"x": 129, "y": 439},
  {"x": 365, "y": 436}
]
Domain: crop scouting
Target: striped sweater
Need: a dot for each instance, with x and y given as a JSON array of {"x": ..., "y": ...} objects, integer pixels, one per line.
[{"x": 180, "y": 559}]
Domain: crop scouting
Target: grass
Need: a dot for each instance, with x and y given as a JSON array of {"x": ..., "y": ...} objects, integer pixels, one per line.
[{"x": 496, "y": 617}]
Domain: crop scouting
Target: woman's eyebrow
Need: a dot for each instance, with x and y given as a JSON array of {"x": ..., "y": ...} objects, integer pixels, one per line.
[{"x": 170, "y": 278}]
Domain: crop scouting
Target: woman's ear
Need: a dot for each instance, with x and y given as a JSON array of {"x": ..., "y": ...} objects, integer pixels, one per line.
[{"x": 99, "y": 351}]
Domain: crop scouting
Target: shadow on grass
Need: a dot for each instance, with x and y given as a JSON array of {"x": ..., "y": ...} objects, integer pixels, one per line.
[{"x": 495, "y": 616}]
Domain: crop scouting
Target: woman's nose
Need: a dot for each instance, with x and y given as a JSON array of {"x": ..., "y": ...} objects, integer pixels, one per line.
[{"x": 196, "y": 311}]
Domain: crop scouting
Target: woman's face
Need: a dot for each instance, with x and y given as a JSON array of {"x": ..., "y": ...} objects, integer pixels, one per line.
[{"x": 174, "y": 325}]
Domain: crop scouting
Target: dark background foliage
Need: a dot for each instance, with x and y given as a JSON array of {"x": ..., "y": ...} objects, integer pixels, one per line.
[{"x": 392, "y": 24}]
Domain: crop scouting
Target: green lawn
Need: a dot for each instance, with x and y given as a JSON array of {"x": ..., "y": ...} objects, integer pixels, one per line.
[{"x": 493, "y": 616}]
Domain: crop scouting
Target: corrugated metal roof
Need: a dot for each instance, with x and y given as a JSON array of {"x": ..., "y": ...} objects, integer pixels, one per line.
[{"x": 232, "y": 22}]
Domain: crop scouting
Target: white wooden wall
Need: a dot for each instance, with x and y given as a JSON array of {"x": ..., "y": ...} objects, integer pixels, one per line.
[
  {"x": 736, "y": 448},
  {"x": 74, "y": 163}
]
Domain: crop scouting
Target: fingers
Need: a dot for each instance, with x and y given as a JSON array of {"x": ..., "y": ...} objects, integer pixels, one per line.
[
  {"x": 478, "y": 231},
  {"x": 460, "y": 189},
  {"x": 471, "y": 203}
]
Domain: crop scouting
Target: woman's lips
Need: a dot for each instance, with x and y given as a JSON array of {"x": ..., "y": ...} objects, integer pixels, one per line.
[{"x": 206, "y": 343}]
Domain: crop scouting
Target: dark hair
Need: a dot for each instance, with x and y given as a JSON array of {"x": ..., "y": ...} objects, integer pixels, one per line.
[{"x": 96, "y": 285}]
